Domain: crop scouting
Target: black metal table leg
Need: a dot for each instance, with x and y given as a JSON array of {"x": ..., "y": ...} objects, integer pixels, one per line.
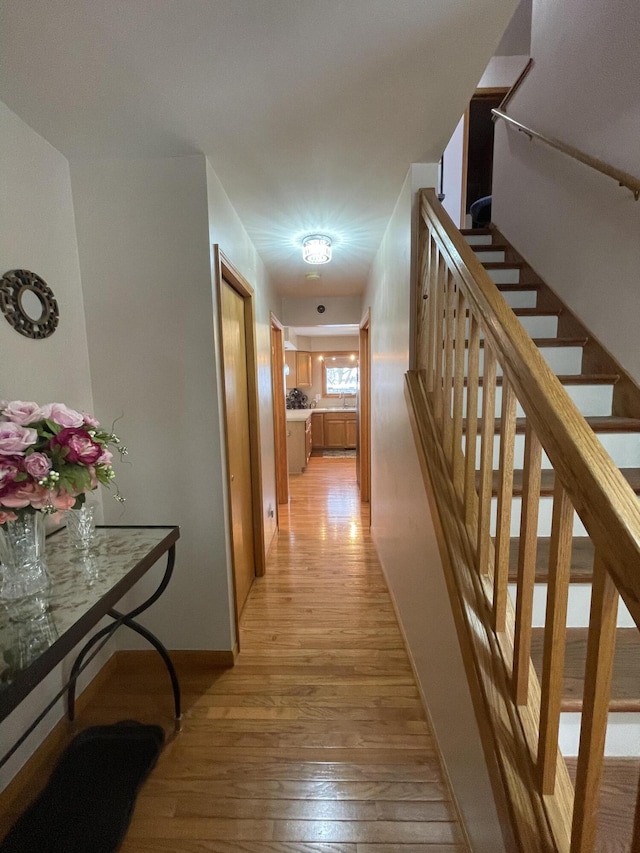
[{"x": 128, "y": 619}]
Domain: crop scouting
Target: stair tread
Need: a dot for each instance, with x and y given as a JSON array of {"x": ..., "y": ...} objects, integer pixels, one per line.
[
  {"x": 491, "y": 247},
  {"x": 541, "y": 342},
  {"x": 503, "y": 265},
  {"x": 479, "y": 231},
  {"x": 581, "y": 559},
  {"x": 617, "y": 805},
  {"x": 516, "y": 287},
  {"x": 573, "y": 379},
  {"x": 537, "y": 312},
  {"x": 625, "y": 682},
  {"x": 547, "y": 342},
  {"x": 560, "y": 342},
  {"x": 531, "y": 312},
  {"x": 547, "y": 480},
  {"x": 598, "y": 423}
]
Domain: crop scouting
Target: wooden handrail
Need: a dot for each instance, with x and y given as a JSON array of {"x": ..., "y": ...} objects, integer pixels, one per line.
[
  {"x": 457, "y": 303},
  {"x": 601, "y": 496},
  {"x": 624, "y": 179}
]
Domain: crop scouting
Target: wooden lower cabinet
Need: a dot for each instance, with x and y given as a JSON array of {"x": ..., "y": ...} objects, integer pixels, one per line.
[
  {"x": 308, "y": 442},
  {"x": 298, "y": 445},
  {"x": 317, "y": 429},
  {"x": 340, "y": 429},
  {"x": 352, "y": 432}
]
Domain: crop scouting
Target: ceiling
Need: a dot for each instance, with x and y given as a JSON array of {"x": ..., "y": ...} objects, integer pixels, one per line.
[{"x": 310, "y": 111}]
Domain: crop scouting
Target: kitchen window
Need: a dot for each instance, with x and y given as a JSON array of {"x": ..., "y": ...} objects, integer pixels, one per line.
[{"x": 340, "y": 374}]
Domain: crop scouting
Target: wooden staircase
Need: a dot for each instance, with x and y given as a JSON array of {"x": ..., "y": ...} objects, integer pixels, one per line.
[
  {"x": 528, "y": 434},
  {"x": 591, "y": 377}
]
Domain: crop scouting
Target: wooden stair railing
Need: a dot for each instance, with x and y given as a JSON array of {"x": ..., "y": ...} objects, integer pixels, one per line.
[{"x": 452, "y": 405}]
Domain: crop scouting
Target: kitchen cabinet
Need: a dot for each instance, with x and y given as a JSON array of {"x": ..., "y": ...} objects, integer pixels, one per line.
[
  {"x": 303, "y": 369},
  {"x": 317, "y": 430},
  {"x": 300, "y": 369},
  {"x": 352, "y": 431},
  {"x": 339, "y": 429},
  {"x": 298, "y": 444},
  {"x": 290, "y": 361}
]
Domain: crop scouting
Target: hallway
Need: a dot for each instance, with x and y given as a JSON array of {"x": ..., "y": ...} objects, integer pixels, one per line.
[{"x": 316, "y": 741}]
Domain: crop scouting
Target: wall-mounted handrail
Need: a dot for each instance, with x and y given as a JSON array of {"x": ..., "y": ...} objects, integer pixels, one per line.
[
  {"x": 515, "y": 87},
  {"x": 624, "y": 179}
]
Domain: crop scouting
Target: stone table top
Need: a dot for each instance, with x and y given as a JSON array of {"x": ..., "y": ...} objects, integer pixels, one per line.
[{"x": 80, "y": 592}]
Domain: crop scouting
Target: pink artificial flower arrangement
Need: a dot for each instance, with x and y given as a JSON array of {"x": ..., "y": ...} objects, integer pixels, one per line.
[{"x": 50, "y": 457}]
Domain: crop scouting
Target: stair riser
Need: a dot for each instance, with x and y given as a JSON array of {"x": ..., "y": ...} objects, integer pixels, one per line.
[
  {"x": 578, "y": 606},
  {"x": 478, "y": 239},
  {"x": 623, "y": 734},
  {"x": 623, "y": 447},
  {"x": 566, "y": 361},
  {"x": 591, "y": 400},
  {"x": 490, "y": 256},
  {"x": 505, "y": 276},
  {"x": 545, "y": 511},
  {"x": 536, "y": 326}
]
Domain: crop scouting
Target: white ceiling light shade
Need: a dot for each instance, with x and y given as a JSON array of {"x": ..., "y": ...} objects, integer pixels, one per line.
[{"x": 316, "y": 249}]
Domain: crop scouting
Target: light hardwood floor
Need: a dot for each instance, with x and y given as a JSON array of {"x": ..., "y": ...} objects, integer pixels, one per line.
[{"x": 316, "y": 741}]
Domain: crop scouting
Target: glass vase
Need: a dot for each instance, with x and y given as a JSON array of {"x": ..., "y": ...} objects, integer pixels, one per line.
[
  {"x": 23, "y": 571},
  {"x": 81, "y": 528}
]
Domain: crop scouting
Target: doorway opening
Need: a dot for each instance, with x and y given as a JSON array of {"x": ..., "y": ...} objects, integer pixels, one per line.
[
  {"x": 478, "y": 163},
  {"x": 321, "y": 417}
]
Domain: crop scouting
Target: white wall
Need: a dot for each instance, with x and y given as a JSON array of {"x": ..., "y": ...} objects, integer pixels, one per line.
[
  {"x": 37, "y": 232},
  {"x": 578, "y": 229},
  {"x": 453, "y": 164},
  {"x": 143, "y": 238},
  {"x": 516, "y": 39},
  {"x": 226, "y": 230},
  {"x": 145, "y": 232},
  {"x": 303, "y": 311},
  {"x": 404, "y": 534}
]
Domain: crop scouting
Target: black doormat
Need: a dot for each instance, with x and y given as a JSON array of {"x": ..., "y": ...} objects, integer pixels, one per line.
[{"x": 87, "y": 804}]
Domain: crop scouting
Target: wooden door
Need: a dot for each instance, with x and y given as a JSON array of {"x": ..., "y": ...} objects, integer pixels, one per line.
[{"x": 234, "y": 355}]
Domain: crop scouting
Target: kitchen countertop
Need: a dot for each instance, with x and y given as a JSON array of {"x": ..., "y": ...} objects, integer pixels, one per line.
[{"x": 303, "y": 414}]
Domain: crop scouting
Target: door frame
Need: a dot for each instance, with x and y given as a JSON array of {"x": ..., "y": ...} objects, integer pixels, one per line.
[
  {"x": 224, "y": 269},
  {"x": 364, "y": 425},
  {"x": 279, "y": 411}
]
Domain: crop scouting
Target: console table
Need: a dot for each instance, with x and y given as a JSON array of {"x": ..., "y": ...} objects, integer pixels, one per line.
[{"x": 38, "y": 632}]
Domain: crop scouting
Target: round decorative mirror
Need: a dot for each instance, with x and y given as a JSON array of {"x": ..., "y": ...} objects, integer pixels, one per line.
[{"x": 28, "y": 303}]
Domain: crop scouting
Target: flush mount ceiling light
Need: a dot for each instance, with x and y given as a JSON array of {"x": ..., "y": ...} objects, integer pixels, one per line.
[{"x": 316, "y": 249}]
